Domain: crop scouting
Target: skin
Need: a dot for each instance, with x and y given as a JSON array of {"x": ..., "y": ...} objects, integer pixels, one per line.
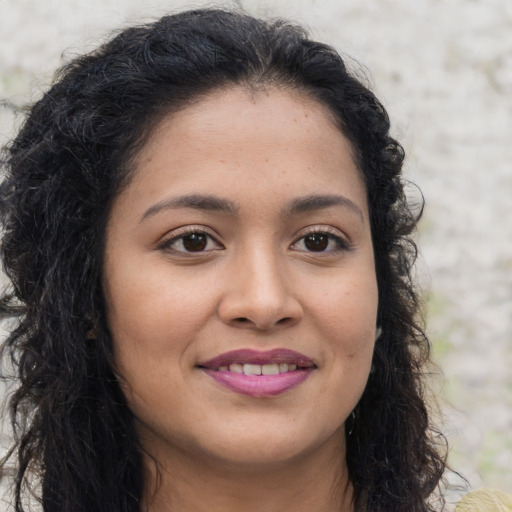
[{"x": 257, "y": 285}]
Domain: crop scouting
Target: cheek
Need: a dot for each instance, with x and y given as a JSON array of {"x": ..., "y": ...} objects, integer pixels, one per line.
[
  {"x": 155, "y": 303},
  {"x": 347, "y": 313}
]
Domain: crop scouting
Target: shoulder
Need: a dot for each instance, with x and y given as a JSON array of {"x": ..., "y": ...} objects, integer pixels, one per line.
[{"x": 486, "y": 500}]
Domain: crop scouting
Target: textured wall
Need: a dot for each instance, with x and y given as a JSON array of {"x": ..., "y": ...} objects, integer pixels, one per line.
[{"x": 444, "y": 70}]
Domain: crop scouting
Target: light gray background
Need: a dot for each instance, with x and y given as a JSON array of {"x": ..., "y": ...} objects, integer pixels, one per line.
[{"x": 443, "y": 68}]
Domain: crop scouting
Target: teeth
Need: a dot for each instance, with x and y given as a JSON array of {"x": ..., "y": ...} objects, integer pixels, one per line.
[
  {"x": 236, "y": 368},
  {"x": 259, "y": 369},
  {"x": 252, "y": 369},
  {"x": 270, "y": 369}
]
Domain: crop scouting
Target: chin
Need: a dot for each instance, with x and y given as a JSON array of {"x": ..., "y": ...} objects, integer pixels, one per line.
[{"x": 272, "y": 447}]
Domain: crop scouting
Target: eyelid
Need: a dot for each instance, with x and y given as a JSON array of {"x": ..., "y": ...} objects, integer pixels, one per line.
[
  {"x": 176, "y": 234},
  {"x": 343, "y": 242},
  {"x": 165, "y": 243}
]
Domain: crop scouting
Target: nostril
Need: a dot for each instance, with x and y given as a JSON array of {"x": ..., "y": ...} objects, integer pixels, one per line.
[{"x": 281, "y": 322}]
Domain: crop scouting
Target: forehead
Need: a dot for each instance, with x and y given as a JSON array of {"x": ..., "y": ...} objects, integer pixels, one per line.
[
  {"x": 283, "y": 114},
  {"x": 270, "y": 142}
]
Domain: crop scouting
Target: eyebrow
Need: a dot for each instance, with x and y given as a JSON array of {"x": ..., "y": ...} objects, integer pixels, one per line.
[
  {"x": 195, "y": 201},
  {"x": 319, "y": 202},
  {"x": 216, "y": 204}
]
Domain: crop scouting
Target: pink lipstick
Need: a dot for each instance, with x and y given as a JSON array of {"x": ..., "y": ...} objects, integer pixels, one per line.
[{"x": 259, "y": 374}]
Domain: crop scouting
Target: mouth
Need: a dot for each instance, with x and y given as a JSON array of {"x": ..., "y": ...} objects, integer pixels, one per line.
[{"x": 259, "y": 374}]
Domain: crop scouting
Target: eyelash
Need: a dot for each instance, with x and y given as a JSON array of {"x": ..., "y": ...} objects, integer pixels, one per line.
[
  {"x": 166, "y": 245},
  {"x": 341, "y": 244}
]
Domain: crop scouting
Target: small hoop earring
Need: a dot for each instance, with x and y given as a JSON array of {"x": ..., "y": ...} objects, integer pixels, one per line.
[
  {"x": 91, "y": 334},
  {"x": 352, "y": 423}
]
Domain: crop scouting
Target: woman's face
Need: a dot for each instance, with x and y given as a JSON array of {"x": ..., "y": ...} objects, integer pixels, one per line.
[{"x": 242, "y": 246}]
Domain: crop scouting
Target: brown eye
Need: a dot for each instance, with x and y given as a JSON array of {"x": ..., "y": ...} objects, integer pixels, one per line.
[
  {"x": 325, "y": 242},
  {"x": 195, "y": 242},
  {"x": 191, "y": 242},
  {"x": 316, "y": 242}
]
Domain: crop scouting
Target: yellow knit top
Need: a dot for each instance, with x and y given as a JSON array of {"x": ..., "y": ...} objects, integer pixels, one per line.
[{"x": 486, "y": 500}]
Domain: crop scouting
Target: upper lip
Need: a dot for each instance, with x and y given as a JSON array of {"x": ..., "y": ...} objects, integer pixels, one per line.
[{"x": 248, "y": 356}]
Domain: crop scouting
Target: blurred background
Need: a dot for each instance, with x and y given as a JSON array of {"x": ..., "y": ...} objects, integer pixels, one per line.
[{"x": 443, "y": 69}]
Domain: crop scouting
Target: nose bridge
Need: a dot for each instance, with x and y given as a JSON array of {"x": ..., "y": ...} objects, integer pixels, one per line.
[
  {"x": 260, "y": 295},
  {"x": 264, "y": 277}
]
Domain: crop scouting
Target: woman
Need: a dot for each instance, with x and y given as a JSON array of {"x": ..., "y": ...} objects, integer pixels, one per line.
[{"x": 207, "y": 237}]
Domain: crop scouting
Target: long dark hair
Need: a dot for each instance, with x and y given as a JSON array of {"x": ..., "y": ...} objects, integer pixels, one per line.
[{"x": 74, "y": 434}]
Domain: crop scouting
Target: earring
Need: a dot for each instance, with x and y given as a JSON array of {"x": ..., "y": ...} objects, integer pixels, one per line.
[
  {"x": 378, "y": 333},
  {"x": 352, "y": 423},
  {"x": 91, "y": 334}
]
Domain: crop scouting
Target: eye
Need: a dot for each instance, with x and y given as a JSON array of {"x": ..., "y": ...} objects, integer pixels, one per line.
[
  {"x": 191, "y": 241},
  {"x": 321, "y": 241}
]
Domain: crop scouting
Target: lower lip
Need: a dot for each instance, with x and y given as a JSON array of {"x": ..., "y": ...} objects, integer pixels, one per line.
[{"x": 260, "y": 385}]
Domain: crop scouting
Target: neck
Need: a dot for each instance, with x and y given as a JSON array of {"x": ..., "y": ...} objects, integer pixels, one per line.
[{"x": 315, "y": 482}]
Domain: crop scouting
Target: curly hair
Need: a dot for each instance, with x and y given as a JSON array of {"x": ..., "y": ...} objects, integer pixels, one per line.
[{"x": 74, "y": 433}]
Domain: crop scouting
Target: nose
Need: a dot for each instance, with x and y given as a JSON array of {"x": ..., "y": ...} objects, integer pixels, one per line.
[{"x": 259, "y": 294}]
